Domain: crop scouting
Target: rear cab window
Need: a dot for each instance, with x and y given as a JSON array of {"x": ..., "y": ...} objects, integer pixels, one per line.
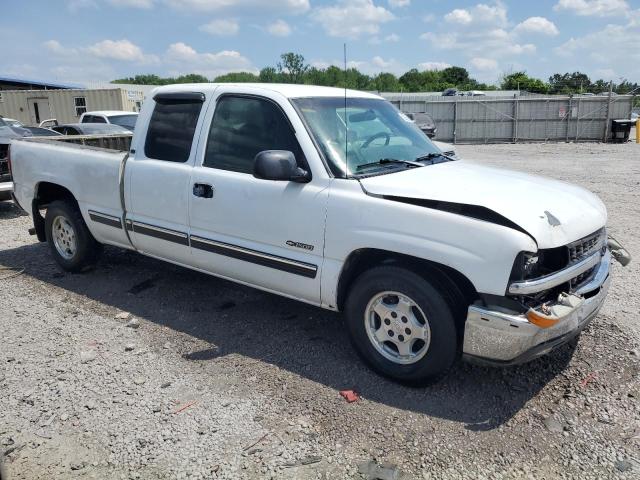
[{"x": 172, "y": 126}]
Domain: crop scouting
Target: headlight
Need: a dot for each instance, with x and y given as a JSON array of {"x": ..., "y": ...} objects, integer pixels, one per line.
[{"x": 528, "y": 265}]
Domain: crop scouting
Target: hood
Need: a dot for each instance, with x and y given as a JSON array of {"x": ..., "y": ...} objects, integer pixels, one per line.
[
  {"x": 9, "y": 132},
  {"x": 554, "y": 213}
]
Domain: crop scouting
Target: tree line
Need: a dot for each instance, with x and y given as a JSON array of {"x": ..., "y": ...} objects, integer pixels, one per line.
[{"x": 292, "y": 68}]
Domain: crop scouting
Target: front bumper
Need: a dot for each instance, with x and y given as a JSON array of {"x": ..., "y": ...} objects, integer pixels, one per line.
[
  {"x": 5, "y": 190},
  {"x": 501, "y": 338}
]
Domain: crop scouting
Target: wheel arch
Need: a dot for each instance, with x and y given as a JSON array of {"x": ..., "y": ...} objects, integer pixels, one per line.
[
  {"x": 44, "y": 194},
  {"x": 457, "y": 289}
]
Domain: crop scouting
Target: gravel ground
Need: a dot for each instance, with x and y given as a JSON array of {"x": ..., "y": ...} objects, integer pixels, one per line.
[{"x": 141, "y": 369}]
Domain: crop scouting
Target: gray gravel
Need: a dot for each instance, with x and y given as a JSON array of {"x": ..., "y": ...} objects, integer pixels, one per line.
[{"x": 140, "y": 369}]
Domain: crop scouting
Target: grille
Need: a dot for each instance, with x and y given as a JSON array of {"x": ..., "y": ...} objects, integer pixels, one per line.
[
  {"x": 580, "y": 250},
  {"x": 584, "y": 247}
]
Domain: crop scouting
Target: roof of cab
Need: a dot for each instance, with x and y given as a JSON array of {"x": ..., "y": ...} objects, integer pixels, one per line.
[{"x": 287, "y": 90}]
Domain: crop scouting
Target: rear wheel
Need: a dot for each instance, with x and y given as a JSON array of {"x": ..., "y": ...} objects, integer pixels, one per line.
[
  {"x": 401, "y": 325},
  {"x": 70, "y": 241}
]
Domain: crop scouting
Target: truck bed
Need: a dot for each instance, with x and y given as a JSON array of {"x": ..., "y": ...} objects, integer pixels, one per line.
[
  {"x": 90, "y": 173},
  {"x": 109, "y": 142}
]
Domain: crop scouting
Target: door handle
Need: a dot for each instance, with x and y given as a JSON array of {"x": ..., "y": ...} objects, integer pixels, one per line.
[{"x": 203, "y": 190}]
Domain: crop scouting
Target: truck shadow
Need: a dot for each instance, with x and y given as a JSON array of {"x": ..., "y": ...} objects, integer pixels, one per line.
[
  {"x": 302, "y": 339},
  {"x": 10, "y": 210}
]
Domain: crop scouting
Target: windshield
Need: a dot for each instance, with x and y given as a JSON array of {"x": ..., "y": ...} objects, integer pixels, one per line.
[
  {"x": 126, "y": 121},
  {"x": 363, "y": 133}
]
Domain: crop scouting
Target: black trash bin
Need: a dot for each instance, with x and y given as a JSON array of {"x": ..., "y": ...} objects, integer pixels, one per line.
[{"x": 620, "y": 130}]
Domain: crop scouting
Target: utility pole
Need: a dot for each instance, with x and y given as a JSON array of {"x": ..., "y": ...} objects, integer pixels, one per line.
[{"x": 607, "y": 125}]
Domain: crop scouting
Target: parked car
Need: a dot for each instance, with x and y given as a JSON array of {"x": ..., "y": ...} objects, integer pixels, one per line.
[
  {"x": 13, "y": 122},
  {"x": 475, "y": 93},
  {"x": 116, "y": 117},
  {"x": 90, "y": 129},
  {"x": 263, "y": 185},
  {"x": 7, "y": 133},
  {"x": 450, "y": 92},
  {"x": 42, "y": 132},
  {"x": 425, "y": 122}
]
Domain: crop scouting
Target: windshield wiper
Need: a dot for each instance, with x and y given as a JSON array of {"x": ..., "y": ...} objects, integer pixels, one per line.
[
  {"x": 387, "y": 161},
  {"x": 431, "y": 156}
]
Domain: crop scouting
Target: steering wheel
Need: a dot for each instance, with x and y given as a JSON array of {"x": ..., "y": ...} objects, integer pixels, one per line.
[{"x": 375, "y": 136}]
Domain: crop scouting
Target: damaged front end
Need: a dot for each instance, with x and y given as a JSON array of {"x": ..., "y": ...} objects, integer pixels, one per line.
[{"x": 552, "y": 296}]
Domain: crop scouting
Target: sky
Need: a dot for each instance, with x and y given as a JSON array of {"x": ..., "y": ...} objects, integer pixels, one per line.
[{"x": 101, "y": 40}]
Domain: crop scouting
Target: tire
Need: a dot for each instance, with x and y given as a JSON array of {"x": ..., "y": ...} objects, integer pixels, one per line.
[
  {"x": 73, "y": 247},
  {"x": 428, "y": 337}
]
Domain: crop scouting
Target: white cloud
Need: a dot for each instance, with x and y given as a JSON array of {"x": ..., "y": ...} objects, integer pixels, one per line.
[
  {"x": 380, "y": 62},
  {"x": 482, "y": 31},
  {"x": 75, "y": 5},
  {"x": 594, "y": 8},
  {"x": 54, "y": 46},
  {"x": 537, "y": 25},
  {"x": 496, "y": 42},
  {"x": 459, "y": 16},
  {"x": 480, "y": 14},
  {"x": 392, "y": 38},
  {"x": 484, "y": 64},
  {"x": 119, "y": 50},
  {"x": 433, "y": 66},
  {"x": 614, "y": 48},
  {"x": 399, "y": 3},
  {"x": 181, "y": 58},
  {"x": 352, "y": 18},
  {"x": 122, "y": 50},
  {"x": 287, "y": 6},
  {"x": 607, "y": 74},
  {"x": 221, "y": 27},
  {"x": 279, "y": 28},
  {"x": 132, "y": 3}
]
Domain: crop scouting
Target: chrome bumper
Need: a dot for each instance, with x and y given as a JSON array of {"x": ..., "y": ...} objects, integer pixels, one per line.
[
  {"x": 5, "y": 190},
  {"x": 502, "y": 338}
]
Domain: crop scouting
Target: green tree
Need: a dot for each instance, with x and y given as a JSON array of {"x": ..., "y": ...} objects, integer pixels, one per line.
[
  {"x": 566, "y": 83},
  {"x": 292, "y": 68},
  {"x": 385, "y": 82},
  {"x": 237, "y": 77},
  {"x": 191, "y": 78},
  {"x": 411, "y": 81},
  {"x": 148, "y": 79},
  {"x": 455, "y": 75},
  {"x": 521, "y": 81},
  {"x": 268, "y": 75}
]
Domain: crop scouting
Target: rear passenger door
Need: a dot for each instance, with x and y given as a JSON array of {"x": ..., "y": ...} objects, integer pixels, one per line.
[{"x": 158, "y": 176}]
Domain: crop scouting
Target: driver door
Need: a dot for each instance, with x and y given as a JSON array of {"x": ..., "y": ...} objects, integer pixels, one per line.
[{"x": 269, "y": 234}]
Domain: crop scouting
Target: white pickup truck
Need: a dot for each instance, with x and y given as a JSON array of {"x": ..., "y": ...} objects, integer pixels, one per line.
[{"x": 338, "y": 200}]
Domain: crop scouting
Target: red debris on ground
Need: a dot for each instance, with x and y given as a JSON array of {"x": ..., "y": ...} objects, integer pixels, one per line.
[
  {"x": 587, "y": 379},
  {"x": 184, "y": 407},
  {"x": 349, "y": 395}
]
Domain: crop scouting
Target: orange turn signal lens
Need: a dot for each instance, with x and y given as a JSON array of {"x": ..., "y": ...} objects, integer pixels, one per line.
[{"x": 540, "y": 320}]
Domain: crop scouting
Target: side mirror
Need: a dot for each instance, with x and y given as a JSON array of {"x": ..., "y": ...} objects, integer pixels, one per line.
[{"x": 279, "y": 165}]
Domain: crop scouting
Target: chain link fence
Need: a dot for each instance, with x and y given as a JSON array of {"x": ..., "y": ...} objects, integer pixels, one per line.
[{"x": 518, "y": 119}]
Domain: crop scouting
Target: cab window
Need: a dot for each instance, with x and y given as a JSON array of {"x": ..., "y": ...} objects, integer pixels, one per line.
[{"x": 244, "y": 126}]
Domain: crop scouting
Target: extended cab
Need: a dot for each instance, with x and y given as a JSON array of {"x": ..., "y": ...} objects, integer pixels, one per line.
[{"x": 340, "y": 201}]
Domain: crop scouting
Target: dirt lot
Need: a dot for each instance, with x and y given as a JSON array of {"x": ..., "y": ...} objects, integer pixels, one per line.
[{"x": 207, "y": 379}]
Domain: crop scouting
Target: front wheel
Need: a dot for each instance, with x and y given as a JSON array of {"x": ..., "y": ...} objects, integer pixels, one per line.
[
  {"x": 401, "y": 325},
  {"x": 71, "y": 243}
]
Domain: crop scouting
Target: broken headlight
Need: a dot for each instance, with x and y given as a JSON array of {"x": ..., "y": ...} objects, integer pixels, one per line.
[{"x": 528, "y": 265}]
